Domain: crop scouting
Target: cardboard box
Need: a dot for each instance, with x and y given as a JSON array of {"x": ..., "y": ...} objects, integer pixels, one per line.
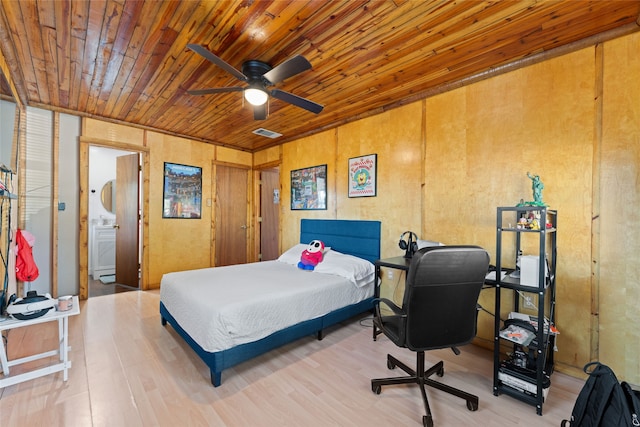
[{"x": 529, "y": 269}]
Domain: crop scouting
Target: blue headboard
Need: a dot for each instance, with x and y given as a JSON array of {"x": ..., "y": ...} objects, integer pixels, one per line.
[{"x": 358, "y": 238}]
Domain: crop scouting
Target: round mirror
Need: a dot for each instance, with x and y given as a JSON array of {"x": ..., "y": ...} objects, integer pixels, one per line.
[{"x": 108, "y": 196}]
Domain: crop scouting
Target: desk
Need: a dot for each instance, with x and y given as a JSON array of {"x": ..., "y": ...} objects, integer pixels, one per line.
[
  {"x": 399, "y": 263},
  {"x": 63, "y": 351}
]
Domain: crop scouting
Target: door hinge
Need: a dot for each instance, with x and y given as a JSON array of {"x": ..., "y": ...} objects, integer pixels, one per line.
[{"x": 259, "y": 219}]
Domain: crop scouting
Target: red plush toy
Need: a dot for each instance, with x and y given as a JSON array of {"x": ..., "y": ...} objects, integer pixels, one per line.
[{"x": 312, "y": 255}]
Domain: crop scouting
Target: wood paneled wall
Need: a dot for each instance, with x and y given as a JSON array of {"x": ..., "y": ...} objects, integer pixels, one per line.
[
  {"x": 396, "y": 141},
  {"x": 481, "y": 142},
  {"x": 268, "y": 156},
  {"x": 178, "y": 244},
  {"x": 318, "y": 149},
  {"x": 446, "y": 163},
  {"x": 172, "y": 244},
  {"x": 619, "y": 209}
]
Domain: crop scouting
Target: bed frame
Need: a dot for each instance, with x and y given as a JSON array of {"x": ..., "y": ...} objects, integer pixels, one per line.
[{"x": 358, "y": 238}]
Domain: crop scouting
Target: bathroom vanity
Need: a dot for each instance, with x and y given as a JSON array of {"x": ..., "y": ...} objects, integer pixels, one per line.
[{"x": 103, "y": 250}]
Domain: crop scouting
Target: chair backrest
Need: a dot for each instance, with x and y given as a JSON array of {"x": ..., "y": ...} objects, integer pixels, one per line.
[{"x": 441, "y": 296}]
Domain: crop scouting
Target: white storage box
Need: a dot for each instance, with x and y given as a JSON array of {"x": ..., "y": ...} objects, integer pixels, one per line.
[{"x": 529, "y": 269}]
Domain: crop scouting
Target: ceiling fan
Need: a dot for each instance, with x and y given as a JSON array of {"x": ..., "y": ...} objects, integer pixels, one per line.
[{"x": 259, "y": 75}]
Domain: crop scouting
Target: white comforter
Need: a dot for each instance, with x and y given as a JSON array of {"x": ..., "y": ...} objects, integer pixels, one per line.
[{"x": 225, "y": 306}]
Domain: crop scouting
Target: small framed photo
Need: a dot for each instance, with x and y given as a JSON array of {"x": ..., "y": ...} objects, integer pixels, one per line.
[
  {"x": 309, "y": 188},
  {"x": 182, "y": 192},
  {"x": 363, "y": 176}
]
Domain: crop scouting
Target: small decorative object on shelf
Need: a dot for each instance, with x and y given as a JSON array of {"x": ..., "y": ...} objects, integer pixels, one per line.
[{"x": 536, "y": 186}]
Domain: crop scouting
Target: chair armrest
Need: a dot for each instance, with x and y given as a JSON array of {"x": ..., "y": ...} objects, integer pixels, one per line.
[{"x": 393, "y": 326}]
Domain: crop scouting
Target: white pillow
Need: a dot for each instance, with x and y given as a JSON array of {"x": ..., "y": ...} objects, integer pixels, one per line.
[
  {"x": 292, "y": 255},
  {"x": 357, "y": 270}
]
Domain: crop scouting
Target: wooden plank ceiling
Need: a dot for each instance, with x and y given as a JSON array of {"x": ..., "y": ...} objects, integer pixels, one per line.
[{"x": 128, "y": 61}]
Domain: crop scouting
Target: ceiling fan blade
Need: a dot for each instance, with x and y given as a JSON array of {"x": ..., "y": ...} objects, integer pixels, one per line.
[
  {"x": 215, "y": 90},
  {"x": 260, "y": 111},
  {"x": 297, "y": 101},
  {"x": 288, "y": 68},
  {"x": 208, "y": 55}
]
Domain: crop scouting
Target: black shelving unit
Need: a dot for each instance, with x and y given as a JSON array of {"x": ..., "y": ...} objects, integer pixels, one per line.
[
  {"x": 524, "y": 372},
  {"x": 6, "y": 179}
]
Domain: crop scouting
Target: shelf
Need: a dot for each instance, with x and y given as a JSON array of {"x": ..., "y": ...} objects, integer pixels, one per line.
[
  {"x": 533, "y": 345},
  {"x": 527, "y": 385},
  {"x": 6, "y": 195},
  {"x": 517, "y": 394},
  {"x": 511, "y": 283},
  {"x": 526, "y": 230},
  {"x": 526, "y": 209}
]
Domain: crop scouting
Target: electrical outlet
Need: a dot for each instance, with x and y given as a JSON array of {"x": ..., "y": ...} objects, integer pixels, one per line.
[{"x": 528, "y": 302}]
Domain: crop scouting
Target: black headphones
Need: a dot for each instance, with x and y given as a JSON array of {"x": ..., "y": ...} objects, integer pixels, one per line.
[{"x": 410, "y": 246}]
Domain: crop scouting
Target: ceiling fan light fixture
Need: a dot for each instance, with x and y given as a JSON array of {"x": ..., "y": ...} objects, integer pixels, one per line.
[
  {"x": 255, "y": 96},
  {"x": 259, "y": 76}
]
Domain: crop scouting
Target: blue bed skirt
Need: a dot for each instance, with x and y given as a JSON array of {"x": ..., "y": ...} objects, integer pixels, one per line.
[{"x": 220, "y": 360}]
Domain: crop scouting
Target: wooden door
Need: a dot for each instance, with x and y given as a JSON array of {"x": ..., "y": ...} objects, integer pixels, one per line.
[
  {"x": 269, "y": 213},
  {"x": 232, "y": 215},
  {"x": 127, "y": 219}
]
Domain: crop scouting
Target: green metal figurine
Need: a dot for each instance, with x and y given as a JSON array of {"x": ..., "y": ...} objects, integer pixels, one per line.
[{"x": 536, "y": 187}]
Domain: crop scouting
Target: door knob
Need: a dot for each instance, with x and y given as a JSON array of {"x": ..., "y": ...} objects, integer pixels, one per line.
[
  {"x": 244, "y": 227},
  {"x": 116, "y": 226}
]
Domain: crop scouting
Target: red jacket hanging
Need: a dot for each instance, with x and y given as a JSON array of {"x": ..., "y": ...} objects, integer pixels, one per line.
[{"x": 26, "y": 268}]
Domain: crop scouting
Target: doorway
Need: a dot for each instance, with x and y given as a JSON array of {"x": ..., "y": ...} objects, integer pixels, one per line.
[
  {"x": 231, "y": 222},
  {"x": 114, "y": 200},
  {"x": 269, "y": 218},
  {"x": 104, "y": 226}
]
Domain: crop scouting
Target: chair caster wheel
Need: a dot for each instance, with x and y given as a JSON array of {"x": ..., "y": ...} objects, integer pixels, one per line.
[
  {"x": 376, "y": 389},
  {"x": 472, "y": 406},
  {"x": 427, "y": 421}
]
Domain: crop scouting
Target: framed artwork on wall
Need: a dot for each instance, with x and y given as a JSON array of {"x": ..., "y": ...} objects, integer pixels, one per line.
[
  {"x": 182, "y": 191},
  {"x": 363, "y": 176},
  {"x": 309, "y": 188}
]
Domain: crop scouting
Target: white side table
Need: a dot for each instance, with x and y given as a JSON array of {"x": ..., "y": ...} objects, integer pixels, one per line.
[{"x": 63, "y": 349}]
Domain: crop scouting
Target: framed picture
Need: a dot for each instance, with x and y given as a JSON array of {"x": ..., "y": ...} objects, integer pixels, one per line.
[
  {"x": 362, "y": 176},
  {"x": 309, "y": 188},
  {"x": 182, "y": 191}
]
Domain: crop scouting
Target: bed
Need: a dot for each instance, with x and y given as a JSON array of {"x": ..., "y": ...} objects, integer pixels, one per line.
[{"x": 273, "y": 303}]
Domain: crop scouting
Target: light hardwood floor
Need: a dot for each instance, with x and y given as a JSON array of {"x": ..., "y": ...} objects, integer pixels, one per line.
[
  {"x": 128, "y": 370},
  {"x": 97, "y": 288}
]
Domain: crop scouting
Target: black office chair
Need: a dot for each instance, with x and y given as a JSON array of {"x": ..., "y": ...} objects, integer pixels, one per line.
[{"x": 439, "y": 310}]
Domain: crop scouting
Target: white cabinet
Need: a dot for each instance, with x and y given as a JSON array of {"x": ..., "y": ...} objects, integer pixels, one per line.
[{"x": 103, "y": 250}]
